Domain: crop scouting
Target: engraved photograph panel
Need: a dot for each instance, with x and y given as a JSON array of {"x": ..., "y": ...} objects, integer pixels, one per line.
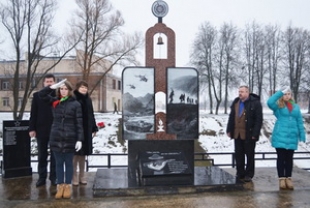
[
  {"x": 138, "y": 102},
  {"x": 163, "y": 163},
  {"x": 182, "y": 102}
]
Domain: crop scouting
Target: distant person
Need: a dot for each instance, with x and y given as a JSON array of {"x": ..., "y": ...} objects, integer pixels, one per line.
[
  {"x": 244, "y": 124},
  {"x": 40, "y": 123},
  {"x": 288, "y": 130},
  {"x": 66, "y": 133},
  {"x": 115, "y": 108},
  {"x": 90, "y": 128},
  {"x": 171, "y": 96}
]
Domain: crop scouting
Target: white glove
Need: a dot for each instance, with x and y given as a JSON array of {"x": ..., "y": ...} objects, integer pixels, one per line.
[
  {"x": 285, "y": 89},
  {"x": 78, "y": 146},
  {"x": 59, "y": 84}
]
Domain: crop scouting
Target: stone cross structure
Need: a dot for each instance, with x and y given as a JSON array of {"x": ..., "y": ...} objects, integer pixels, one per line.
[{"x": 160, "y": 9}]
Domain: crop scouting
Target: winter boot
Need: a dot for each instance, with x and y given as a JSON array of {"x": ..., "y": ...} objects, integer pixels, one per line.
[
  {"x": 282, "y": 183},
  {"x": 75, "y": 180},
  {"x": 67, "y": 191},
  {"x": 60, "y": 191},
  {"x": 82, "y": 170},
  {"x": 289, "y": 183}
]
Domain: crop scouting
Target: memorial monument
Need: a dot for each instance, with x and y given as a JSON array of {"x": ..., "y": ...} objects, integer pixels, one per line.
[
  {"x": 160, "y": 123},
  {"x": 160, "y": 113}
]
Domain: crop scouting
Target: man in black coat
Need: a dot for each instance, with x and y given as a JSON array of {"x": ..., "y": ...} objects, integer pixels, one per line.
[
  {"x": 244, "y": 124},
  {"x": 41, "y": 119}
]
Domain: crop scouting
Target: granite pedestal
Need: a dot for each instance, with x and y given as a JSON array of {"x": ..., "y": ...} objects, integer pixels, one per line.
[{"x": 115, "y": 182}]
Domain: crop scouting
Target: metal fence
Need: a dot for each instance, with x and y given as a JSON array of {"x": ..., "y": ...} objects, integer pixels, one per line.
[
  {"x": 112, "y": 160},
  {"x": 205, "y": 157}
]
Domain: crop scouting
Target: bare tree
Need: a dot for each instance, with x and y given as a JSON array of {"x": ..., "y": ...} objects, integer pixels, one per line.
[
  {"x": 28, "y": 23},
  {"x": 254, "y": 53},
  {"x": 229, "y": 43},
  {"x": 203, "y": 58},
  {"x": 296, "y": 41},
  {"x": 103, "y": 41},
  {"x": 273, "y": 44}
]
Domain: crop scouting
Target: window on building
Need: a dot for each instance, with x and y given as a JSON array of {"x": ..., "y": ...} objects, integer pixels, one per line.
[
  {"x": 5, "y": 85},
  {"x": 20, "y": 85},
  {"x": 20, "y": 100},
  {"x": 114, "y": 84},
  {"x": 33, "y": 83},
  {"x": 5, "y": 102},
  {"x": 119, "y": 85}
]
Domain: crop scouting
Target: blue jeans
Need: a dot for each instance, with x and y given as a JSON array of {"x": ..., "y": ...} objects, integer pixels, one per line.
[{"x": 61, "y": 160}]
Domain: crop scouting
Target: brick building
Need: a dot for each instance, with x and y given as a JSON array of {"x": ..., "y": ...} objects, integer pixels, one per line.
[{"x": 104, "y": 95}]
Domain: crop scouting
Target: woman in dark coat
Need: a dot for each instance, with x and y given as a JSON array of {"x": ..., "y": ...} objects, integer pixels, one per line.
[
  {"x": 90, "y": 129},
  {"x": 66, "y": 132}
]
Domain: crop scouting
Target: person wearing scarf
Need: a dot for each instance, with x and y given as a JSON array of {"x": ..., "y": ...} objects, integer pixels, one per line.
[
  {"x": 288, "y": 131},
  {"x": 90, "y": 128},
  {"x": 66, "y": 134}
]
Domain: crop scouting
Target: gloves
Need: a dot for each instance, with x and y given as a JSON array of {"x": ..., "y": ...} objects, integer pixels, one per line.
[
  {"x": 59, "y": 84},
  {"x": 78, "y": 146},
  {"x": 285, "y": 89}
]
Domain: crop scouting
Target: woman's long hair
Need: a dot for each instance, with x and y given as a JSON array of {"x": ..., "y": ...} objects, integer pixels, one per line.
[
  {"x": 70, "y": 89},
  {"x": 281, "y": 102}
]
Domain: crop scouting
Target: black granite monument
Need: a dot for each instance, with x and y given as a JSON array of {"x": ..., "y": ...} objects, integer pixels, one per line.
[{"x": 16, "y": 149}]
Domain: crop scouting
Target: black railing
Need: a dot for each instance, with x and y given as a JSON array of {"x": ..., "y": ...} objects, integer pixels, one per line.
[
  {"x": 207, "y": 157},
  {"x": 107, "y": 159}
]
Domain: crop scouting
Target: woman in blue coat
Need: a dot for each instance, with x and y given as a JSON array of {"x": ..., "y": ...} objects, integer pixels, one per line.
[{"x": 288, "y": 131}]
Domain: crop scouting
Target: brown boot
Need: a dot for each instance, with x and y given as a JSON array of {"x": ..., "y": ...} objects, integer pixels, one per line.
[
  {"x": 289, "y": 183},
  {"x": 75, "y": 180},
  {"x": 67, "y": 191},
  {"x": 82, "y": 170},
  {"x": 282, "y": 183},
  {"x": 60, "y": 191}
]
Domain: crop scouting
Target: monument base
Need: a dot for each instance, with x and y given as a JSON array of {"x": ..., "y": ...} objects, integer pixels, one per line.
[
  {"x": 17, "y": 172},
  {"x": 115, "y": 182}
]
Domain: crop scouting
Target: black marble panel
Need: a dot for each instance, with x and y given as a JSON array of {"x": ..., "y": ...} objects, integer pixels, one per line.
[
  {"x": 16, "y": 149},
  {"x": 155, "y": 163},
  {"x": 137, "y": 148},
  {"x": 163, "y": 168}
]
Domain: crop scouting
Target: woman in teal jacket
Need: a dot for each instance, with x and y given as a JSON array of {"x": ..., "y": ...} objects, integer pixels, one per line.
[{"x": 288, "y": 130}]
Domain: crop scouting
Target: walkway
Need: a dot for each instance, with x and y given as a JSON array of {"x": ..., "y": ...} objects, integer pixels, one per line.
[{"x": 262, "y": 192}]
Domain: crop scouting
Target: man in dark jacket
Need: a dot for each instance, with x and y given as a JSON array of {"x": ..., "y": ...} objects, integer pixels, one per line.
[
  {"x": 244, "y": 124},
  {"x": 41, "y": 119}
]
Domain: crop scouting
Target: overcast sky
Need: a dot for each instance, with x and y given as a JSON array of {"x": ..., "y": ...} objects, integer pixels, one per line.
[{"x": 185, "y": 16}]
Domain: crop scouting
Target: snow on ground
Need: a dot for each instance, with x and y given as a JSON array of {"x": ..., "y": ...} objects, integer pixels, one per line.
[{"x": 212, "y": 139}]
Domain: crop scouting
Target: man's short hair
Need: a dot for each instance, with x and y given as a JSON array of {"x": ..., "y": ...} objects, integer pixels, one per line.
[
  {"x": 47, "y": 76},
  {"x": 245, "y": 86}
]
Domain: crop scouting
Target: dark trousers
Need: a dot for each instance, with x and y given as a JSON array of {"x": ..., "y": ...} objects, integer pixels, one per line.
[
  {"x": 245, "y": 148},
  {"x": 284, "y": 162},
  {"x": 64, "y": 167},
  {"x": 42, "y": 159}
]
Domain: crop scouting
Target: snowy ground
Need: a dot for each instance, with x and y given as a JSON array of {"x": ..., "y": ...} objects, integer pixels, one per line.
[{"x": 212, "y": 139}]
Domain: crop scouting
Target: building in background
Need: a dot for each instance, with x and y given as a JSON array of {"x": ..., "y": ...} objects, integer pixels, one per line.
[{"x": 105, "y": 94}]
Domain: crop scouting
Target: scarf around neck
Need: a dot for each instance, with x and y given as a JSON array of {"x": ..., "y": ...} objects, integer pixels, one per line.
[
  {"x": 56, "y": 102},
  {"x": 289, "y": 105}
]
